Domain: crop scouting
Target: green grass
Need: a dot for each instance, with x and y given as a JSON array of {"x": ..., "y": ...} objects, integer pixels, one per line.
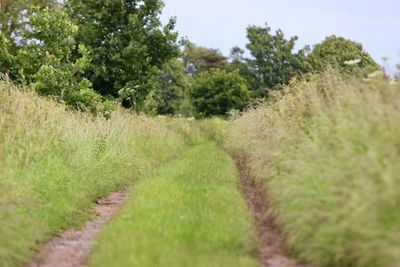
[
  {"x": 328, "y": 153},
  {"x": 197, "y": 131},
  {"x": 188, "y": 213},
  {"x": 54, "y": 163}
]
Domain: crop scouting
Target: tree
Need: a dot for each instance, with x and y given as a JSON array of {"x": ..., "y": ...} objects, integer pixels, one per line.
[
  {"x": 46, "y": 63},
  {"x": 172, "y": 87},
  {"x": 237, "y": 54},
  {"x": 127, "y": 42},
  {"x": 7, "y": 61},
  {"x": 14, "y": 16},
  {"x": 274, "y": 59},
  {"x": 243, "y": 65},
  {"x": 343, "y": 54},
  {"x": 198, "y": 59},
  {"x": 216, "y": 92}
]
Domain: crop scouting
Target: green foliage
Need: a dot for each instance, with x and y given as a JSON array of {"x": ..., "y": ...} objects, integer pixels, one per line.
[
  {"x": 174, "y": 80},
  {"x": 46, "y": 61},
  {"x": 127, "y": 43},
  {"x": 198, "y": 59},
  {"x": 118, "y": 49},
  {"x": 345, "y": 55},
  {"x": 14, "y": 16},
  {"x": 7, "y": 61},
  {"x": 187, "y": 213},
  {"x": 172, "y": 87},
  {"x": 134, "y": 96},
  {"x": 80, "y": 50},
  {"x": 151, "y": 104},
  {"x": 274, "y": 60},
  {"x": 243, "y": 66},
  {"x": 217, "y": 92}
]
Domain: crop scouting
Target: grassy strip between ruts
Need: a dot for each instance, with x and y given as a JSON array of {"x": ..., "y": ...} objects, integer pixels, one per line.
[{"x": 187, "y": 213}]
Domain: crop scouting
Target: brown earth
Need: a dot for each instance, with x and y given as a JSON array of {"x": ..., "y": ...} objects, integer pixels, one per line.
[
  {"x": 273, "y": 251},
  {"x": 72, "y": 248}
]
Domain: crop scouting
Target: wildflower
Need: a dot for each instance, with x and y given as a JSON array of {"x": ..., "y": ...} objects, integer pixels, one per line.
[
  {"x": 352, "y": 62},
  {"x": 376, "y": 74}
]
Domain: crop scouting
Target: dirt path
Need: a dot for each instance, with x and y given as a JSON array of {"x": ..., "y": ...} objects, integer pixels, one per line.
[
  {"x": 272, "y": 251},
  {"x": 72, "y": 247}
]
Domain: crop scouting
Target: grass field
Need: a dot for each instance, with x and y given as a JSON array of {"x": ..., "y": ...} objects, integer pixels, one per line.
[
  {"x": 54, "y": 163},
  {"x": 187, "y": 213},
  {"x": 328, "y": 154}
]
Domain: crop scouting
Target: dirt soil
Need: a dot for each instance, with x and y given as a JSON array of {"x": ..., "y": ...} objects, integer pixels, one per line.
[
  {"x": 72, "y": 248},
  {"x": 273, "y": 251}
]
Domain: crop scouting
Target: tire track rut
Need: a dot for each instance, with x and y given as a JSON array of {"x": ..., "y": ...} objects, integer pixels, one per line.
[
  {"x": 273, "y": 251},
  {"x": 72, "y": 248}
]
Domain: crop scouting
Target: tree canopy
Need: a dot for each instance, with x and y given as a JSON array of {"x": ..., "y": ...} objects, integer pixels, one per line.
[
  {"x": 345, "y": 55},
  {"x": 47, "y": 61},
  {"x": 6, "y": 59},
  {"x": 14, "y": 16},
  {"x": 274, "y": 59},
  {"x": 172, "y": 87},
  {"x": 85, "y": 53},
  {"x": 198, "y": 59},
  {"x": 127, "y": 42}
]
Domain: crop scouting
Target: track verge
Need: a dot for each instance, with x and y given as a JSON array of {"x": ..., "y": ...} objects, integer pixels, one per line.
[{"x": 273, "y": 251}]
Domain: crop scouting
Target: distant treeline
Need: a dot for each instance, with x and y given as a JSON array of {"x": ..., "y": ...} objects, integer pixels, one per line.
[{"x": 95, "y": 54}]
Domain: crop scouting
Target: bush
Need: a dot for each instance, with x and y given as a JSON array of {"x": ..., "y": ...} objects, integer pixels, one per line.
[{"x": 217, "y": 92}]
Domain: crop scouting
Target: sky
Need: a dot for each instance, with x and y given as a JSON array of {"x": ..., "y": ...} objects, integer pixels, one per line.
[{"x": 222, "y": 23}]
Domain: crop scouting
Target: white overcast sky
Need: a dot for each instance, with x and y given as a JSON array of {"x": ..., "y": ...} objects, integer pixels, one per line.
[{"x": 222, "y": 23}]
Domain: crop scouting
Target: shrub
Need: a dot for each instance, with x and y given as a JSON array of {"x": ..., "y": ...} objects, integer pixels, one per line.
[{"x": 217, "y": 92}]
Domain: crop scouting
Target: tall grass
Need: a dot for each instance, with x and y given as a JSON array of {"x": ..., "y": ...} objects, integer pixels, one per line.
[
  {"x": 54, "y": 163},
  {"x": 327, "y": 152},
  {"x": 198, "y": 131}
]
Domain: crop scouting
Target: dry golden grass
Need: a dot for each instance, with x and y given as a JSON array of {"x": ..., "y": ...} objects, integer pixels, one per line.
[{"x": 327, "y": 152}]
